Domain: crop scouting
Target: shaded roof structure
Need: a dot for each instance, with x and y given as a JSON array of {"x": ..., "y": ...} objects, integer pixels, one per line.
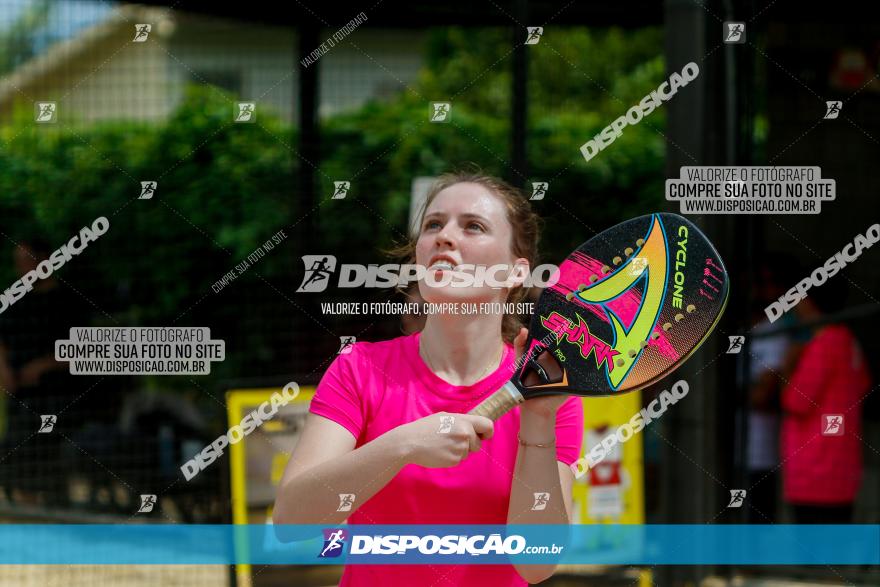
[{"x": 400, "y": 13}]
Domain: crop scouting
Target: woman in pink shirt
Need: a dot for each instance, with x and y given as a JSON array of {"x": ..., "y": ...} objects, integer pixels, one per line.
[
  {"x": 372, "y": 431},
  {"x": 821, "y": 438}
]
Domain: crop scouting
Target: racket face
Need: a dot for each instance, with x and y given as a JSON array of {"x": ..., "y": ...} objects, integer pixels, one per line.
[{"x": 630, "y": 305}]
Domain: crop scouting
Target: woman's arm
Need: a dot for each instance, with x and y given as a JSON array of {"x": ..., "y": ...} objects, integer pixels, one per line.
[
  {"x": 324, "y": 464},
  {"x": 538, "y": 471}
]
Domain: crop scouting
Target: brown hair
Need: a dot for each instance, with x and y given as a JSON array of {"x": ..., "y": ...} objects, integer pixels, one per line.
[{"x": 525, "y": 234}]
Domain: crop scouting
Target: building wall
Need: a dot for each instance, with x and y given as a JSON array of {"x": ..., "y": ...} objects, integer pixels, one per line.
[
  {"x": 252, "y": 62},
  {"x": 368, "y": 64},
  {"x": 114, "y": 78},
  {"x": 118, "y": 79},
  {"x": 266, "y": 65}
]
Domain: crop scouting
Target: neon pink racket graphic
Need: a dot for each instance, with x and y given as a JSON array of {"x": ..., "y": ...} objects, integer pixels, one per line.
[{"x": 630, "y": 306}]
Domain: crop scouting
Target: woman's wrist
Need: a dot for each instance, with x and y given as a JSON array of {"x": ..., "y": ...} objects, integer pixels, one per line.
[
  {"x": 394, "y": 444},
  {"x": 547, "y": 444},
  {"x": 537, "y": 419},
  {"x": 537, "y": 428}
]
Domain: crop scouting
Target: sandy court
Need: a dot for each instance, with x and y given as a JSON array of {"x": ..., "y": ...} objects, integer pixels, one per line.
[{"x": 115, "y": 575}]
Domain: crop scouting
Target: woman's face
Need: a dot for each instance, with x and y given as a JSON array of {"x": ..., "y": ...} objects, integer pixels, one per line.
[{"x": 466, "y": 224}]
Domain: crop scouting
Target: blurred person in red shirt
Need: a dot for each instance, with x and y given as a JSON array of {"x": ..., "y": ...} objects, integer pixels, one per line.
[{"x": 822, "y": 415}]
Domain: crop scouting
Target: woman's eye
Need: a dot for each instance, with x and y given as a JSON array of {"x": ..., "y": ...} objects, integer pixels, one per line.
[
  {"x": 476, "y": 226},
  {"x": 431, "y": 224}
]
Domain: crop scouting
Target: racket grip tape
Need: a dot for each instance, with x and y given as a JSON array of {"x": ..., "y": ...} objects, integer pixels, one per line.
[{"x": 499, "y": 403}]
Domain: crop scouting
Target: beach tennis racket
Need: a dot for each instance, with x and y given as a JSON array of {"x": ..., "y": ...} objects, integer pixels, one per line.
[{"x": 630, "y": 306}]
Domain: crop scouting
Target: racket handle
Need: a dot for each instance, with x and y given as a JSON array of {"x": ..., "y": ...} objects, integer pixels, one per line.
[{"x": 499, "y": 403}]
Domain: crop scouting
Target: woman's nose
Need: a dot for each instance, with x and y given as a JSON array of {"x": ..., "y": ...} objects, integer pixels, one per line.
[{"x": 445, "y": 237}]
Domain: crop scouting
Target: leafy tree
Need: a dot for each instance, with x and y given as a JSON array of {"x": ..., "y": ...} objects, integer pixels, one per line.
[
  {"x": 223, "y": 189},
  {"x": 226, "y": 188},
  {"x": 580, "y": 81},
  {"x": 17, "y": 40}
]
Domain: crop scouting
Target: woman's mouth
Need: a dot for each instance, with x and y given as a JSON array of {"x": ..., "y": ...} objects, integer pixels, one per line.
[
  {"x": 442, "y": 265},
  {"x": 442, "y": 262}
]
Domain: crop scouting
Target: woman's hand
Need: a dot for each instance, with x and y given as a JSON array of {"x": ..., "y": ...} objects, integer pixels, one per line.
[
  {"x": 442, "y": 439},
  {"x": 540, "y": 407}
]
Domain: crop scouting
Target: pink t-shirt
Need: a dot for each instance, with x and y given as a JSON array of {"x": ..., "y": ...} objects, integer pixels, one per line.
[
  {"x": 380, "y": 386},
  {"x": 831, "y": 378}
]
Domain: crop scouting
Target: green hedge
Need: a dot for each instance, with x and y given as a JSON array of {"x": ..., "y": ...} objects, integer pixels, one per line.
[{"x": 225, "y": 188}]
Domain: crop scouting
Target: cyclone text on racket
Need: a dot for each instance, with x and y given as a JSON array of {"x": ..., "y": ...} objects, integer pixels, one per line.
[{"x": 654, "y": 252}]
